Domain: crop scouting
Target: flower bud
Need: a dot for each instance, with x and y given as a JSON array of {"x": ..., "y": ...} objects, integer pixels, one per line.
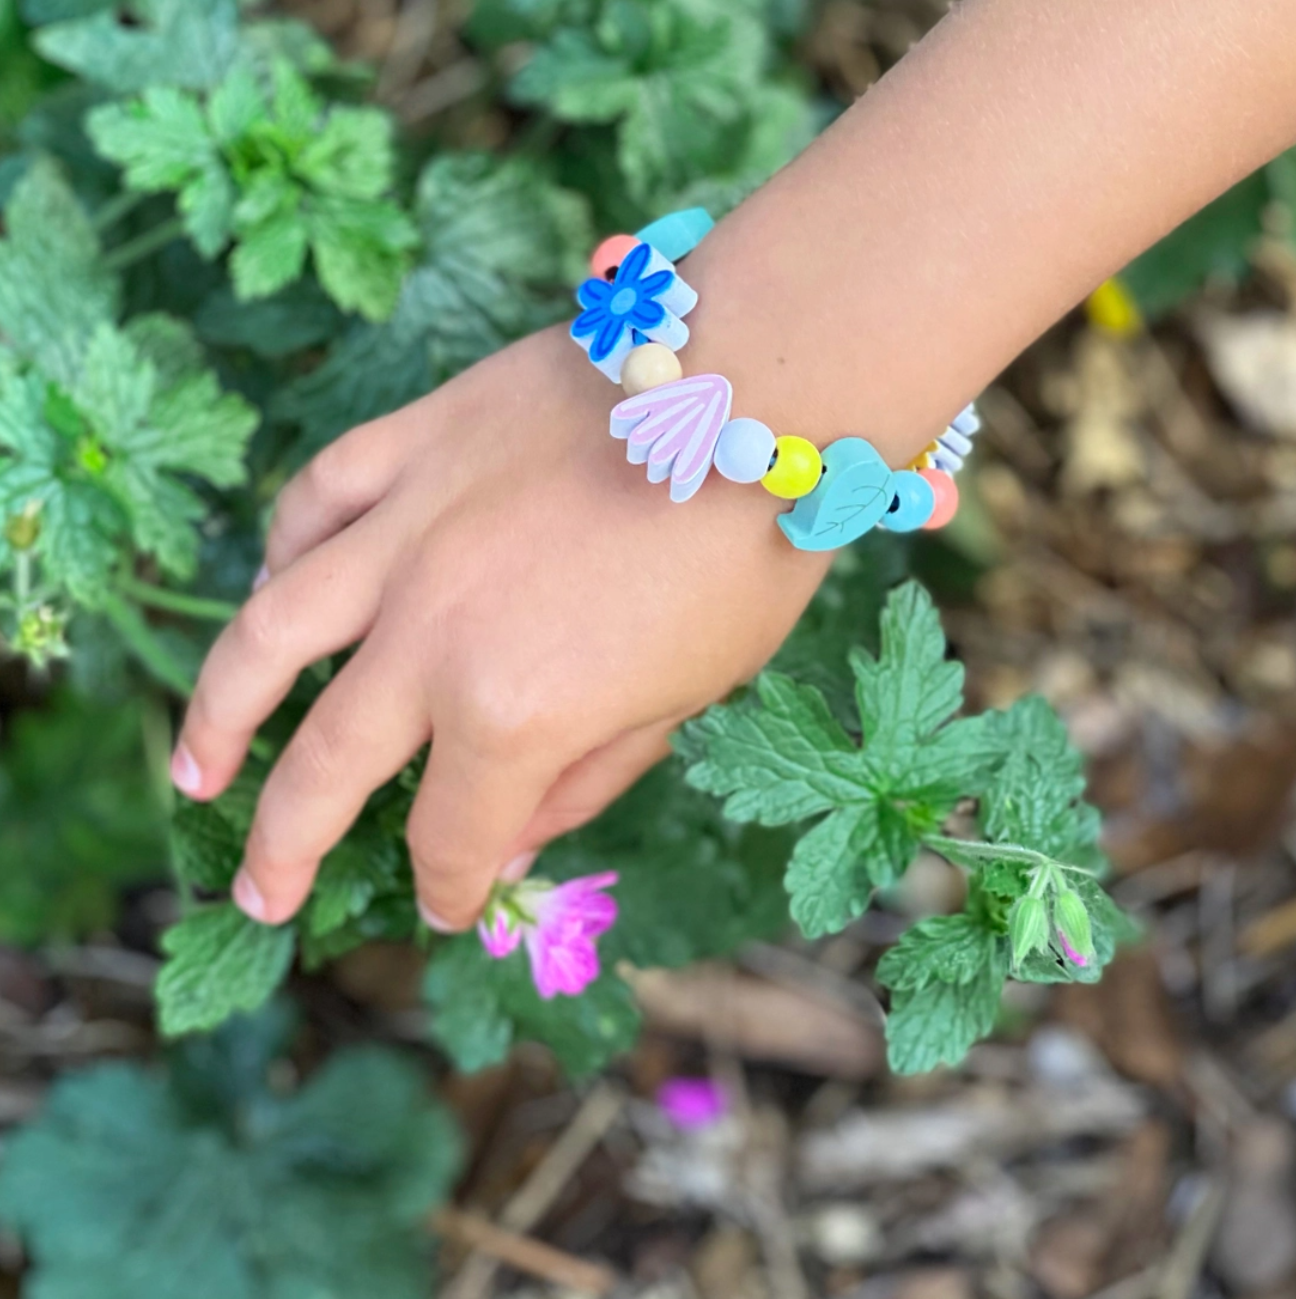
[
  {"x": 1028, "y": 927},
  {"x": 41, "y": 636},
  {"x": 22, "y": 531},
  {"x": 1072, "y": 920}
]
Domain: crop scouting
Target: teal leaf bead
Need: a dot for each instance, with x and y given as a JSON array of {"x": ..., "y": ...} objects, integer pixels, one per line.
[
  {"x": 678, "y": 233},
  {"x": 853, "y": 496},
  {"x": 912, "y": 505},
  {"x": 744, "y": 451}
]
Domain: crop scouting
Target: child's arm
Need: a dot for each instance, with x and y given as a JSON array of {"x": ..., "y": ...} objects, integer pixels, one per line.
[{"x": 525, "y": 597}]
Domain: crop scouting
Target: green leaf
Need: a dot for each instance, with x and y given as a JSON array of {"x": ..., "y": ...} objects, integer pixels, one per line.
[
  {"x": 481, "y": 1006},
  {"x": 54, "y": 292},
  {"x": 188, "y": 43},
  {"x": 362, "y": 251},
  {"x": 1036, "y": 797},
  {"x": 783, "y": 756},
  {"x": 79, "y": 818},
  {"x": 231, "y": 1190},
  {"x": 938, "y": 1022},
  {"x": 350, "y": 877},
  {"x": 150, "y": 435},
  {"x": 163, "y": 142},
  {"x": 834, "y": 869},
  {"x": 501, "y": 244},
  {"x": 688, "y": 888},
  {"x": 945, "y": 949},
  {"x": 680, "y": 79},
  {"x": 207, "y": 838},
  {"x": 351, "y": 157},
  {"x": 220, "y": 962},
  {"x": 270, "y": 255}
]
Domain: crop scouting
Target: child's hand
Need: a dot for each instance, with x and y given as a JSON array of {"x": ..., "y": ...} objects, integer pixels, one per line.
[{"x": 520, "y": 595}]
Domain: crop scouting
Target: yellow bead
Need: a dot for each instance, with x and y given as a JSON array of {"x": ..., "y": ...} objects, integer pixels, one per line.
[
  {"x": 1112, "y": 310},
  {"x": 795, "y": 470},
  {"x": 649, "y": 366},
  {"x": 925, "y": 461}
]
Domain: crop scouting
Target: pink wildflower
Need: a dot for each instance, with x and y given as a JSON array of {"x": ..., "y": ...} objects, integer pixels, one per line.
[
  {"x": 559, "y": 924},
  {"x": 1071, "y": 954},
  {"x": 692, "y": 1102}
]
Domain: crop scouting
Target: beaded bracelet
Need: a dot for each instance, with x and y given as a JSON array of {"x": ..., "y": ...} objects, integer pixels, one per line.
[{"x": 632, "y": 326}]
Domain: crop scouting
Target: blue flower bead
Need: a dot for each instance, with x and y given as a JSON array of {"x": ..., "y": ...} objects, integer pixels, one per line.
[
  {"x": 646, "y": 300},
  {"x": 912, "y": 505}
]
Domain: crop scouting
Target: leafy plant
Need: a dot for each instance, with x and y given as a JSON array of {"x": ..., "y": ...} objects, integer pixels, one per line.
[
  {"x": 277, "y": 172},
  {"x": 781, "y": 757},
  {"x": 206, "y": 1180},
  {"x": 214, "y": 260},
  {"x": 79, "y": 817}
]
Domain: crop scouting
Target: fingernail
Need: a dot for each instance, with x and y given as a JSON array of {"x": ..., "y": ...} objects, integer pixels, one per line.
[
  {"x": 434, "y": 921},
  {"x": 262, "y": 577},
  {"x": 247, "y": 897},
  {"x": 516, "y": 869},
  {"x": 186, "y": 775}
]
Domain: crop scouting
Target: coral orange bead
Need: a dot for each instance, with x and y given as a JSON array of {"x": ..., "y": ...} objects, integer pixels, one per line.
[
  {"x": 947, "y": 498},
  {"x": 795, "y": 470},
  {"x": 611, "y": 253}
]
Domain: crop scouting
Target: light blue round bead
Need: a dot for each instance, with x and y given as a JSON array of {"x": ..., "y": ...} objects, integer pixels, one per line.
[
  {"x": 677, "y": 233},
  {"x": 913, "y": 504},
  {"x": 744, "y": 450}
]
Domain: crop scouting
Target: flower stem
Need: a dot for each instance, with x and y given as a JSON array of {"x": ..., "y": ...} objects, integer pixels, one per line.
[
  {"x": 145, "y": 245},
  {"x": 116, "y": 209},
  {"x": 191, "y": 606}
]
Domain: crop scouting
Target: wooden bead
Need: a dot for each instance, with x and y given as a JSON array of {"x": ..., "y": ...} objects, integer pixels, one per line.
[
  {"x": 796, "y": 469},
  {"x": 912, "y": 505},
  {"x": 744, "y": 451},
  {"x": 610, "y": 254},
  {"x": 947, "y": 499},
  {"x": 649, "y": 366}
]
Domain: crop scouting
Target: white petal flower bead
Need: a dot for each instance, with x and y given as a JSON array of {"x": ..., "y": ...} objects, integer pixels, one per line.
[{"x": 744, "y": 451}]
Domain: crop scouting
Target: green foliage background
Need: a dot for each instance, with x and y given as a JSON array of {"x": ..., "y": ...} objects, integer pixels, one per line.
[{"x": 216, "y": 255}]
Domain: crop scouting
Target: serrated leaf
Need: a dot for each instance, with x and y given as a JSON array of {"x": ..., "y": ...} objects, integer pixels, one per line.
[
  {"x": 54, "y": 292},
  {"x": 679, "y": 79},
  {"x": 345, "y": 1171},
  {"x": 947, "y": 949},
  {"x": 362, "y": 251},
  {"x": 220, "y": 962},
  {"x": 834, "y": 870},
  {"x": 351, "y": 157},
  {"x": 938, "y": 1022},
  {"x": 784, "y": 756},
  {"x": 500, "y": 242},
  {"x": 780, "y": 762},
  {"x": 187, "y": 43},
  {"x": 79, "y": 818},
  {"x": 480, "y": 1006},
  {"x": 1035, "y": 799},
  {"x": 270, "y": 255},
  {"x": 686, "y": 891}
]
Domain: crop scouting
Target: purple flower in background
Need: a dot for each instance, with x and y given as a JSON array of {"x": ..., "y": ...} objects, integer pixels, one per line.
[
  {"x": 1071, "y": 954},
  {"x": 692, "y": 1103},
  {"x": 560, "y": 925}
]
